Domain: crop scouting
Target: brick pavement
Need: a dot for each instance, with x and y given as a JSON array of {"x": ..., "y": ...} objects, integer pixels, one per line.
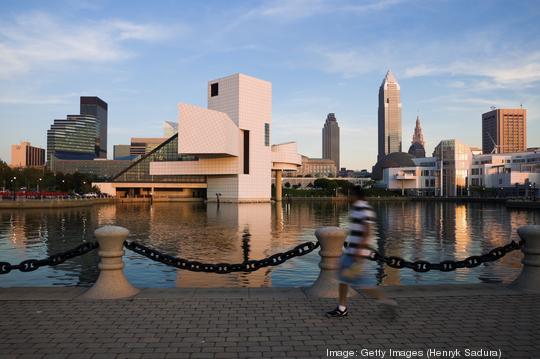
[{"x": 264, "y": 322}]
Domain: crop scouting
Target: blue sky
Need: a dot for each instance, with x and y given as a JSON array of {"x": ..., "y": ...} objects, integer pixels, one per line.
[{"x": 453, "y": 60}]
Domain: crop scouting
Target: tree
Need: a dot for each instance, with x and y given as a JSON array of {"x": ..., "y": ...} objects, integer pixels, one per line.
[{"x": 287, "y": 185}]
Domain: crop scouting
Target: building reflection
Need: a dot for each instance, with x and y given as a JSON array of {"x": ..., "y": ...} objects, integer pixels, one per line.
[
  {"x": 432, "y": 231},
  {"x": 233, "y": 220}
]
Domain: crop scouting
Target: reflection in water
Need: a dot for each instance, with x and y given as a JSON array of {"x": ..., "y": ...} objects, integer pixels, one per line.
[{"x": 208, "y": 233}]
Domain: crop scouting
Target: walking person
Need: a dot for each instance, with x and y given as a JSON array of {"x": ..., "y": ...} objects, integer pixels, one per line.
[{"x": 356, "y": 249}]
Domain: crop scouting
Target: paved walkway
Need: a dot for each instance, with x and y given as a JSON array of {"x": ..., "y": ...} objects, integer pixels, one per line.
[{"x": 267, "y": 322}]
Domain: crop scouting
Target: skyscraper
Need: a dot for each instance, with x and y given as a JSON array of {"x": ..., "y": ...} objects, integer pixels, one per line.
[
  {"x": 72, "y": 139},
  {"x": 504, "y": 130},
  {"x": 417, "y": 148},
  {"x": 330, "y": 139},
  {"x": 389, "y": 116},
  {"x": 94, "y": 106}
]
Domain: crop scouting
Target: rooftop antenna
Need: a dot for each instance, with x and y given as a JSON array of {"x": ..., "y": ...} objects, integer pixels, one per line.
[
  {"x": 493, "y": 108},
  {"x": 521, "y": 106}
]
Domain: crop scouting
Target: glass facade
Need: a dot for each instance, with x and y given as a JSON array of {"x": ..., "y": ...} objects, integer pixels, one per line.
[
  {"x": 454, "y": 160},
  {"x": 139, "y": 171},
  {"x": 72, "y": 138},
  {"x": 96, "y": 107}
]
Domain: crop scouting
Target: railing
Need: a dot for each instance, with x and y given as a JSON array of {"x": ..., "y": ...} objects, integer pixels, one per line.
[{"x": 112, "y": 283}]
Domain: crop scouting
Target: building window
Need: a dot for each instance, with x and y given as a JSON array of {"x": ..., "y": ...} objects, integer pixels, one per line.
[
  {"x": 267, "y": 134},
  {"x": 214, "y": 89},
  {"x": 246, "y": 152}
]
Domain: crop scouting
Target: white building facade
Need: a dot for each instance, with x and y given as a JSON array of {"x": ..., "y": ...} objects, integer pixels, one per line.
[
  {"x": 228, "y": 143},
  {"x": 455, "y": 171}
]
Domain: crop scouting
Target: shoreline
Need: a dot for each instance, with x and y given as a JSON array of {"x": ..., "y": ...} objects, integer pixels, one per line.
[{"x": 73, "y": 203}]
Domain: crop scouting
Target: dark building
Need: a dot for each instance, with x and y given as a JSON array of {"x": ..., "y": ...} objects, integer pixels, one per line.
[
  {"x": 392, "y": 160},
  {"x": 94, "y": 106}
]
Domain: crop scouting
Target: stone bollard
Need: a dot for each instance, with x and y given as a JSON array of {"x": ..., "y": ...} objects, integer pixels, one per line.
[
  {"x": 111, "y": 283},
  {"x": 326, "y": 285},
  {"x": 529, "y": 278}
]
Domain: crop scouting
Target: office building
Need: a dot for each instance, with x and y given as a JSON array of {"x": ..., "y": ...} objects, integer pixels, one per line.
[
  {"x": 96, "y": 107},
  {"x": 169, "y": 129},
  {"x": 417, "y": 148},
  {"x": 74, "y": 138},
  {"x": 122, "y": 152},
  {"x": 504, "y": 130},
  {"x": 220, "y": 153},
  {"x": 26, "y": 155},
  {"x": 140, "y": 146},
  {"x": 317, "y": 167},
  {"x": 330, "y": 139},
  {"x": 389, "y": 116}
]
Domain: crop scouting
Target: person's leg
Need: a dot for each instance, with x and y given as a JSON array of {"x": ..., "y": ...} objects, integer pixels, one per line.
[
  {"x": 343, "y": 289},
  {"x": 341, "y": 309}
]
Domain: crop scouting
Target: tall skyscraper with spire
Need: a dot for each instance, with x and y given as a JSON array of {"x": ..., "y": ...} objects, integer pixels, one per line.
[
  {"x": 330, "y": 140},
  {"x": 417, "y": 148},
  {"x": 389, "y": 116}
]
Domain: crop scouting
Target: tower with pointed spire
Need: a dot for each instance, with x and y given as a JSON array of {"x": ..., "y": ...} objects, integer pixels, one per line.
[
  {"x": 389, "y": 116},
  {"x": 417, "y": 144}
]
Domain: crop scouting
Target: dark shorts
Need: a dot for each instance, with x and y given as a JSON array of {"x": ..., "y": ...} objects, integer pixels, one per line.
[{"x": 351, "y": 271}]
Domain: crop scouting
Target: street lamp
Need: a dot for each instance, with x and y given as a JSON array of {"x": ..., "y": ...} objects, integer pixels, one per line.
[
  {"x": 39, "y": 180},
  {"x": 13, "y": 187}
]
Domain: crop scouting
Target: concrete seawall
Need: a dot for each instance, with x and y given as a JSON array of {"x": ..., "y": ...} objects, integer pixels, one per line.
[{"x": 53, "y": 203}]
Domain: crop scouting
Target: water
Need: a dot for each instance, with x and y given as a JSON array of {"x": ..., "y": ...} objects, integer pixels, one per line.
[{"x": 413, "y": 230}]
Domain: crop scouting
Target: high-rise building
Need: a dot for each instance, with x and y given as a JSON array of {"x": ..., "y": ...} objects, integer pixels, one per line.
[
  {"x": 94, "y": 106},
  {"x": 330, "y": 139},
  {"x": 25, "y": 155},
  {"x": 389, "y": 116},
  {"x": 170, "y": 129},
  {"x": 417, "y": 148},
  {"x": 74, "y": 138},
  {"x": 504, "y": 130}
]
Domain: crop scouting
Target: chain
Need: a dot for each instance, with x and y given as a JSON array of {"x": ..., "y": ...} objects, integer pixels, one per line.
[
  {"x": 30, "y": 265},
  {"x": 446, "y": 266},
  {"x": 221, "y": 268}
]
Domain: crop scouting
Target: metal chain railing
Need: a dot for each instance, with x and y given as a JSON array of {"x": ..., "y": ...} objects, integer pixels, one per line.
[
  {"x": 253, "y": 265},
  {"x": 33, "y": 264},
  {"x": 221, "y": 268},
  {"x": 448, "y": 265}
]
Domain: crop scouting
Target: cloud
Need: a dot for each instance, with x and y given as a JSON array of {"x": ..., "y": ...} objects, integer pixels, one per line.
[
  {"x": 36, "y": 40},
  {"x": 505, "y": 70},
  {"x": 296, "y": 9},
  {"x": 36, "y": 100}
]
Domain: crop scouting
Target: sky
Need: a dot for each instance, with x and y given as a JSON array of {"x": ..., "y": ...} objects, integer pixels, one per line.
[{"x": 452, "y": 59}]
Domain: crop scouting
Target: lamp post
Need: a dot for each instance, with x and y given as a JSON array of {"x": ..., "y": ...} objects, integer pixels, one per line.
[{"x": 13, "y": 181}]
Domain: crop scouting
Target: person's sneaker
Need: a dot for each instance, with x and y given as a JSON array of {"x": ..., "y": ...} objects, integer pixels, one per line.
[{"x": 337, "y": 313}]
